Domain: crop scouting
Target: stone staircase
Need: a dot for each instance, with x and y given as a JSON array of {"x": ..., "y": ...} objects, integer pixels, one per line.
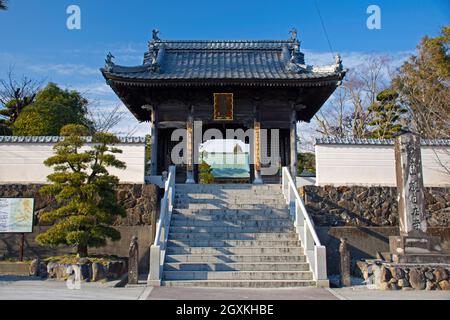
[{"x": 233, "y": 236}]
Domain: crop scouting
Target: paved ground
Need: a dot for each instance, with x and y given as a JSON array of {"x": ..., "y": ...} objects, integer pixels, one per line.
[
  {"x": 21, "y": 288},
  {"x": 170, "y": 293},
  {"x": 362, "y": 293}
]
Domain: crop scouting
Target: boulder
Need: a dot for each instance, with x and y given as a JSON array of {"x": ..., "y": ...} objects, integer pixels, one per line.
[
  {"x": 57, "y": 270},
  {"x": 98, "y": 272},
  {"x": 42, "y": 270},
  {"x": 403, "y": 283},
  {"x": 115, "y": 269},
  {"x": 34, "y": 268},
  {"x": 429, "y": 275},
  {"x": 417, "y": 279},
  {"x": 86, "y": 271},
  {"x": 385, "y": 274},
  {"x": 385, "y": 286},
  {"x": 393, "y": 286},
  {"x": 397, "y": 273},
  {"x": 444, "y": 285},
  {"x": 430, "y": 285},
  {"x": 440, "y": 274}
]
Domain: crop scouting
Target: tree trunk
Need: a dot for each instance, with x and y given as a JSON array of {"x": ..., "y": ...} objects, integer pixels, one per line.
[{"x": 82, "y": 250}]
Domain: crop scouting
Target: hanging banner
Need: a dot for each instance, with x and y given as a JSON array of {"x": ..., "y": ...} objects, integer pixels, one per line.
[
  {"x": 257, "y": 145},
  {"x": 16, "y": 215}
]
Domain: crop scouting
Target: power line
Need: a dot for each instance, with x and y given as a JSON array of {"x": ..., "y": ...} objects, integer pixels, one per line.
[{"x": 324, "y": 29}]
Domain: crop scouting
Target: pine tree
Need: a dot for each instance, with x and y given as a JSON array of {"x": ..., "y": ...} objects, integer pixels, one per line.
[
  {"x": 423, "y": 82},
  {"x": 84, "y": 190},
  {"x": 386, "y": 113}
]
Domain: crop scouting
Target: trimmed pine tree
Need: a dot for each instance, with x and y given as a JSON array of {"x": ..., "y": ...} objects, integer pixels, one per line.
[
  {"x": 84, "y": 190},
  {"x": 386, "y": 115}
]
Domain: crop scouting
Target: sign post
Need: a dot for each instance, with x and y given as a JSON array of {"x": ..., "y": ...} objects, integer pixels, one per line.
[{"x": 16, "y": 216}]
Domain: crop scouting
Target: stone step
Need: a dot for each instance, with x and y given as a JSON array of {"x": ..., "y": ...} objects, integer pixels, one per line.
[
  {"x": 238, "y": 275},
  {"x": 235, "y": 250},
  {"x": 283, "y": 266},
  {"x": 224, "y": 258},
  {"x": 200, "y": 187},
  {"x": 233, "y": 243},
  {"x": 236, "y": 212},
  {"x": 233, "y": 223},
  {"x": 200, "y": 206},
  {"x": 228, "y": 217},
  {"x": 241, "y": 284},
  {"x": 264, "y": 229},
  {"x": 225, "y": 195},
  {"x": 235, "y": 194},
  {"x": 230, "y": 201},
  {"x": 233, "y": 236}
]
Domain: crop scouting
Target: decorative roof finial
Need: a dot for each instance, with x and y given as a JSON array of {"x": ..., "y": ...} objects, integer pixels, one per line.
[
  {"x": 155, "y": 33},
  {"x": 338, "y": 61},
  {"x": 109, "y": 63},
  {"x": 293, "y": 33}
]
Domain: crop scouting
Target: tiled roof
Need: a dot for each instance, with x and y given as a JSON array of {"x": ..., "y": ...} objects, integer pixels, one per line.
[
  {"x": 216, "y": 60},
  {"x": 55, "y": 139},
  {"x": 353, "y": 141}
]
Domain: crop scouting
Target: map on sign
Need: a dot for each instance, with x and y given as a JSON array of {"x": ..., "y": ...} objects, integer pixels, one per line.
[{"x": 16, "y": 215}]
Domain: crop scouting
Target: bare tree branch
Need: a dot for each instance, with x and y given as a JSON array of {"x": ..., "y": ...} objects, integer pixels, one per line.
[{"x": 105, "y": 120}]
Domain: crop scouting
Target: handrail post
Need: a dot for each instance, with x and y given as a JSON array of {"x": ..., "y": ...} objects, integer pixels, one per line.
[
  {"x": 320, "y": 272},
  {"x": 154, "y": 277}
]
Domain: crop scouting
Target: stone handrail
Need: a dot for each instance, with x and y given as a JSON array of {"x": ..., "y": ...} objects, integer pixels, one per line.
[
  {"x": 158, "y": 249},
  {"x": 314, "y": 251}
]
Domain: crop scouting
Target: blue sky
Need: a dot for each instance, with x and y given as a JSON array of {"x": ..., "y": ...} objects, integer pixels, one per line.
[{"x": 34, "y": 37}]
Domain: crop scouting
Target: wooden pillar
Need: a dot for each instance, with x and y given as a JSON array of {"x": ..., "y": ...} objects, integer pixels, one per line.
[
  {"x": 154, "y": 155},
  {"x": 190, "y": 147},
  {"x": 257, "y": 147},
  {"x": 293, "y": 145}
]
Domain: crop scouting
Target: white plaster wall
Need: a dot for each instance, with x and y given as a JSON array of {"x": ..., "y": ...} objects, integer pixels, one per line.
[
  {"x": 23, "y": 163},
  {"x": 374, "y": 165},
  {"x": 306, "y": 181}
]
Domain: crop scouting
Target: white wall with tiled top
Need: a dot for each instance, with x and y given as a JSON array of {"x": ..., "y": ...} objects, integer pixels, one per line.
[
  {"x": 374, "y": 165},
  {"x": 22, "y": 163}
]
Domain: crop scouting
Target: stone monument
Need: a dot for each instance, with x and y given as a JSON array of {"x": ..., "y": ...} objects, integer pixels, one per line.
[
  {"x": 133, "y": 262},
  {"x": 413, "y": 245},
  {"x": 345, "y": 264}
]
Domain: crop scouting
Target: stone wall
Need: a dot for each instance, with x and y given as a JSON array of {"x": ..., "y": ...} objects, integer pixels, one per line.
[
  {"x": 365, "y": 242},
  {"x": 369, "y": 206},
  {"x": 9, "y": 245},
  {"x": 140, "y": 201},
  {"x": 387, "y": 276}
]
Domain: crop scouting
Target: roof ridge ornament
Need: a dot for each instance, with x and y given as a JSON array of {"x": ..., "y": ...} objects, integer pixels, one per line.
[
  {"x": 294, "y": 34},
  {"x": 109, "y": 63},
  {"x": 155, "y": 33},
  {"x": 338, "y": 62}
]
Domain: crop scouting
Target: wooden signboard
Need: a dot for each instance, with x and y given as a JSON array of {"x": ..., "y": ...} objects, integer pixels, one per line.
[{"x": 223, "y": 106}]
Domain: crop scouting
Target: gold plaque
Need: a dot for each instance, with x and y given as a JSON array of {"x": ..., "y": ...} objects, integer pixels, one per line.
[{"x": 223, "y": 106}]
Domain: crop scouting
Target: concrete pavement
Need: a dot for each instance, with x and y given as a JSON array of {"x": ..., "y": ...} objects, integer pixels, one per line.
[
  {"x": 26, "y": 288},
  {"x": 171, "y": 293}
]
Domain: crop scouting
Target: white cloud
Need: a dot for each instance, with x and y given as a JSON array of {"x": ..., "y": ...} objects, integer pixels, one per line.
[
  {"x": 94, "y": 89},
  {"x": 64, "y": 69},
  {"x": 353, "y": 59}
]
